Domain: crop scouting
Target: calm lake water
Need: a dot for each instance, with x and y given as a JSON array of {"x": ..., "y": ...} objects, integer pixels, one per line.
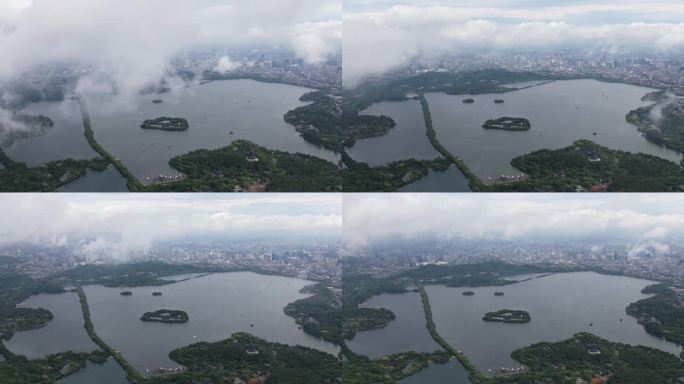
[
  {"x": 405, "y": 141},
  {"x": 560, "y": 112},
  {"x": 451, "y": 372},
  {"x": 218, "y": 305},
  {"x": 108, "y": 181},
  {"x": 405, "y": 333},
  {"x": 451, "y": 180},
  {"x": 64, "y": 332},
  {"x": 108, "y": 373},
  {"x": 252, "y": 110},
  {"x": 63, "y": 141},
  {"x": 560, "y": 305}
]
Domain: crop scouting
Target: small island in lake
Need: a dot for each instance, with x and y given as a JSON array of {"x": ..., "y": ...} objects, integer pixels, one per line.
[
  {"x": 156, "y": 293},
  {"x": 126, "y": 293},
  {"x": 468, "y": 293},
  {"x": 498, "y": 293},
  {"x": 157, "y": 101},
  {"x": 468, "y": 101},
  {"x": 499, "y": 101},
  {"x": 166, "y": 124},
  {"x": 166, "y": 316},
  {"x": 508, "y": 124},
  {"x": 508, "y": 316}
]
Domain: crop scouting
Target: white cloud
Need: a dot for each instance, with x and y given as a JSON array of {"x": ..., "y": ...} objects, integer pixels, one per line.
[
  {"x": 131, "y": 42},
  {"x": 118, "y": 226},
  {"x": 225, "y": 65},
  {"x": 371, "y": 220},
  {"x": 377, "y": 41}
]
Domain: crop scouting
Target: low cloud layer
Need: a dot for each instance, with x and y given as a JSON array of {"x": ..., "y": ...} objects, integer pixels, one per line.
[
  {"x": 131, "y": 42},
  {"x": 118, "y": 227},
  {"x": 375, "y": 221},
  {"x": 377, "y": 39}
]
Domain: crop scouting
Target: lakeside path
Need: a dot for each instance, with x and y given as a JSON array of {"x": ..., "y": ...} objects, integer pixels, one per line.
[
  {"x": 476, "y": 185},
  {"x": 475, "y": 376},
  {"x": 132, "y": 374},
  {"x": 133, "y": 184}
]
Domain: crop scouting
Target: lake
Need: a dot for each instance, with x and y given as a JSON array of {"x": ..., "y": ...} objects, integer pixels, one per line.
[
  {"x": 560, "y": 112},
  {"x": 451, "y": 372},
  {"x": 64, "y": 332},
  {"x": 62, "y": 141},
  {"x": 108, "y": 373},
  {"x": 251, "y": 110},
  {"x": 405, "y": 141},
  {"x": 560, "y": 305},
  {"x": 451, "y": 180},
  {"x": 218, "y": 305},
  {"x": 110, "y": 180},
  {"x": 407, "y": 332}
]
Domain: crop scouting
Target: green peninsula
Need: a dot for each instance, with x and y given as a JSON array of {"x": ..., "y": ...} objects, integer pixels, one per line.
[
  {"x": 588, "y": 167},
  {"x": 244, "y": 358}
]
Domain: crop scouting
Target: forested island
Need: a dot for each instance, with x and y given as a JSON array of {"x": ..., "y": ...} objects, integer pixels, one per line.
[
  {"x": 166, "y": 316},
  {"x": 468, "y": 101},
  {"x": 508, "y": 124},
  {"x": 126, "y": 293},
  {"x": 166, "y": 124},
  {"x": 508, "y": 316}
]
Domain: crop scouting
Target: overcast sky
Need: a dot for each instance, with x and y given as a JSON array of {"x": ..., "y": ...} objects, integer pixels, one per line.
[
  {"x": 377, "y": 220},
  {"x": 132, "y": 40},
  {"x": 381, "y": 35},
  {"x": 118, "y": 226}
]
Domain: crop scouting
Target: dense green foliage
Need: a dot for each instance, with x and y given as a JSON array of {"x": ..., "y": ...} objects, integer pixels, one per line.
[
  {"x": 508, "y": 316},
  {"x": 166, "y": 124},
  {"x": 390, "y": 369},
  {"x": 661, "y": 315},
  {"x": 18, "y": 177},
  {"x": 320, "y": 314},
  {"x": 245, "y": 166},
  {"x": 360, "y": 177},
  {"x": 508, "y": 124},
  {"x": 566, "y": 169},
  {"x": 170, "y": 316},
  {"x": 565, "y": 361},
  {"x": 225, "y": 361},
  {"x": 147, "y": 273},
  {"x": 15, "y": 288},
  {"x": 668, "y": 128},
  {"x": 19, "y": 370},
  {"x": 472, "y": 275}
]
